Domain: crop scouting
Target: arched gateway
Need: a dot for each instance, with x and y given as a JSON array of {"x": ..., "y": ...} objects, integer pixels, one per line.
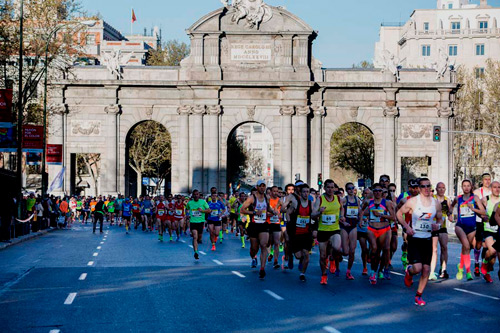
[{"x": 253, "y": 69}]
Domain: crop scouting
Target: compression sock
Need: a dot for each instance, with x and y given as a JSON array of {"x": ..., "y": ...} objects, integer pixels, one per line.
[
  {"x": 483, "y": 252},
  {"x": 462, "y": 261},
  {"x": 467, "y": 262},
  {"x": 476, "y": 255}
]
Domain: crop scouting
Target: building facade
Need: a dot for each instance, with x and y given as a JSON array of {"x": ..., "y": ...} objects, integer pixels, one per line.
[{"x": 251, "y": 68}]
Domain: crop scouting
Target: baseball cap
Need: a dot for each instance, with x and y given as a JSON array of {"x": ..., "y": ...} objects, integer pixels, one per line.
[
  {"x": 413, "y": 183},
  {"x": 260, "y": 182},
  {"x": 299, "y": 182}
]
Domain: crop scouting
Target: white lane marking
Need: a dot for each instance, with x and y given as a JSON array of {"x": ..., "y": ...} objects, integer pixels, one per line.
[
  {"x": 70, "y": 298},
  {"x": 95, "y": 254},
  {"x": 182, "y": 241},
  {"x": 82, "y": 277},
  {"x": 396, "y": 273},
  {"x": 477, "y": 294},
  {"x": 103, "y": 239},
  {"x": 331, "y": 329},
  {"x": 273, "y": 295},
  {"x": 99, "y": 247},
  {"x": 90, "y": 263},
  {"x": 54, "y": 331},
  {"x": 238, "y": 274},
  {"x": 203, "y": 253},
  {"x": 102, "y": 243},
  {"x": 217, "y": 262},
  {"x": 191, "y": 246}
]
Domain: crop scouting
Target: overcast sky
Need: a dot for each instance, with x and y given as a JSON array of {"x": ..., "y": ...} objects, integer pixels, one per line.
[{"x": 347, "y": 29}]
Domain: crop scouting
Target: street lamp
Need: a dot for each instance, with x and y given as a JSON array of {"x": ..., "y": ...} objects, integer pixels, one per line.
[
  {"x": 19, "y": 164},
  {"x": 44, "y": 153}
]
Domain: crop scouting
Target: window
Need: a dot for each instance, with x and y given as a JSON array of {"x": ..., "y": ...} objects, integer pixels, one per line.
[
  {"x": 450, "y": 6},
  {"x": 480, "y": 49},
  {"x": 90, "y": 39},
  {"x": 479, "y": 72},
  {"x": 453, "y": 50},
  {"x": 480, "y": 97},
  {"x": 257, "y": 129},
  {"x": 455, "y": 26},
  {"x": 426, "y": 50},
  {"x": 483, "y": 25},
  {"x": 426, "y": 26}
]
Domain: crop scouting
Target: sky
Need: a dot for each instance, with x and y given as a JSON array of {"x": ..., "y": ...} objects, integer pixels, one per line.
[{"x": 347, "y": 29}]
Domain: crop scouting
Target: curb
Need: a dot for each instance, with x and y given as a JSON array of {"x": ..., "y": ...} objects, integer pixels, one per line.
[{"x": 25, "y": 238}]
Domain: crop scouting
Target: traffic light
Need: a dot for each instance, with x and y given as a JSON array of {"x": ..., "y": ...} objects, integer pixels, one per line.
[
  {"x": 320, "y": 179},
  {"x": 297, "y": 177},
  {"x": 436, "y": 134}
]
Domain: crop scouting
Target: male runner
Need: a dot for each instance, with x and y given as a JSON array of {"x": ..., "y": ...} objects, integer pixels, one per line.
[
  {"x": 287, "y": 259},
  {"x": 179, "y": 216},
  {"x": 426, "y": 217},
  {"x": 481, "y": 192},
  {"x": 274, "y": 226},
  {"x": 162, "y": 219},
  {"x": 490, "y": 235},
  {"x": 441, "y": 235},
  {"x": 196, "y": 208},
  {"x": 217, "y": 209},
  {"x": 127, "y": 213},
  {"x": 363, "y": 232},
  {"x": 413, "y": 190}
]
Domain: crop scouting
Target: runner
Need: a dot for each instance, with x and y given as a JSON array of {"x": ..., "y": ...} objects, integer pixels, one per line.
[
  {"x": 217, "y": 209},
  {"x": 179, "y": 215},
  {"x": 348, "y": 228},
  {"x": 381, "y": 213},
  {"x": 162, "y": 219},
  {"x": 127, "y": 213},
  {"x": 92, "y": 205},
  {"x": 481, "y": 192},
  {"x": 233, "y": 217},
  {"x": 111, "y": 210},
  {"x": 118, "y": 208},
  {"x": 274, "y": 227},
  {"x": 413, "y": 190},
  {"x": 300, "y": 228},
  {"x": 490, "y": 235},
  {"x": 287, "y": 259},
  {"x": 100, "y": 211},
  {"x": 331, "y": 212},
  {"x": 225, "y": 216},
  {"x": 362, "y": 232},
  {"x": 197, "y": 208},
  {"x": 257, "y": 206},
  {"x": 426, "y": 216},
  {"x": 137, "y": 216},
  {"x": 469, "y": 205},
  {"x": 79, "y": 209},
  {"x": 147, "y": 212},
  {"x": 241, "y": 218},
  {"x": 441, "y": 236}
]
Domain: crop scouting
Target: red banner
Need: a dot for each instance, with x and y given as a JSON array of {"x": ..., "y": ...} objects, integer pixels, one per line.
[
  {"x": 33, "y": 138},
  {"x": 54, "y": 154},
  {"x": 6, "y": 106}
]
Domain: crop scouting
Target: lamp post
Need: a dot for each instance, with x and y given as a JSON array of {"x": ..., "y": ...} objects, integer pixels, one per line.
[
  {"x": 44, "y": 153},
  {"x": 19, "y": 163}
]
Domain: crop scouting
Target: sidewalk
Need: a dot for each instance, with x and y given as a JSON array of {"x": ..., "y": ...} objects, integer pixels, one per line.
[{"x": 24, "y": 238}]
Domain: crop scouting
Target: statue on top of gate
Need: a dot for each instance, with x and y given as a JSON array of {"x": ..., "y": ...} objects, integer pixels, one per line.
[{"x": 255, "y": 12}]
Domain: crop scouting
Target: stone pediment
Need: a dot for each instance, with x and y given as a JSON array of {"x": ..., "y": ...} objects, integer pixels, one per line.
[{"x": 224, "y": 20}]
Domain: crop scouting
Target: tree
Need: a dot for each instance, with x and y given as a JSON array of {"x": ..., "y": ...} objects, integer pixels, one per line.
[
  {"x": 237, "y": 159},
  {"x": 363, "y": 64},
  {"x": 170, "y": 54},
  {"x": 477, "y": 108},
  {"x": 353, "y": 148},
  {"x": 89, "y": 164},
  {"x": 149, "y": 150}
]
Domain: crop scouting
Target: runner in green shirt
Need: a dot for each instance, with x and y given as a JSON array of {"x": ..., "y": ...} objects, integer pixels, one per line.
[{"x": 197, "y": 208}]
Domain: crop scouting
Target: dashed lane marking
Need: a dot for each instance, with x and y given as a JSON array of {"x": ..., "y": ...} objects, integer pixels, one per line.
[
  {"x": 54, "y": 331},
  {"x": 82, "y": 277},
  {"x": 477, "y": 294},
  {"x": 95, "y": 254},
  {"x": 191, "y": 246},
  {"x": 182, "y": 241},
  {"x": 70, "y": 298},
  {"x": 396, "y": 273},
  {"x": 217, "y": 262},
  {"x": 331, "y": 329},
  {"x": 90, "y": 263},
  {"x": 238, "y": 274},
  {"x": 99, "y": 247},
  {"x": 102, "y": 243},
  {"x": 203, "y": 253},
  {"x": 274, "y": 295}
]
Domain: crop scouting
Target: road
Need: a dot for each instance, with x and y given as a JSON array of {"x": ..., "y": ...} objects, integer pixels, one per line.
[{"x": 76, "y": 281}]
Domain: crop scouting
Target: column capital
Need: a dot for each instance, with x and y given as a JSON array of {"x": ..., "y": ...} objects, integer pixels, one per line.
[
  {"x": 214, "y": 110},
  {"x": 58, "y": 108},
  {"x": 287, "y": 110},
  {"x": 113, "y": 109},
  {"x": 184, "y": 110},
  {"x": 199, "y": 110},
  {"x": 444, "y": 112},
  {"x": 303, "y": 111},
  {"x": 391, "y": 111},
  {"x": 319, "y": 110}
]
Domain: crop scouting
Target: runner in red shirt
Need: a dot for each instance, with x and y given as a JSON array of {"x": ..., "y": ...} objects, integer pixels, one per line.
[
  {"x": 179, "y": 215},
  {"x": 161, "y": 217}
]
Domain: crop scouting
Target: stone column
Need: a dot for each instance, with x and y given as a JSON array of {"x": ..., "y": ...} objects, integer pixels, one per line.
[
  {"x": 445, "y": 147},
  {"x": 112, "y": 157},
  {"x": 286, "y": 144},
  {"x": 300, "y": 143},
  {"x": 196, "y": 147},
  {"x": 317, "y": 142},
  {"x": 183, "y": 181},
  {"x": 56, "y": 134},
  {"x": 211, "y": 148},
  {"x": 390, "y": 113}
]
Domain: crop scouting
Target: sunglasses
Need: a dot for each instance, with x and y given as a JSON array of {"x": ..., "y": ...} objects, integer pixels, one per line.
[
  {"x": 377, "y": 190},
  {"x": 425, "y": 186},
  {"x": 350, "y": 188},
  {"x": 384, "y": 180}
]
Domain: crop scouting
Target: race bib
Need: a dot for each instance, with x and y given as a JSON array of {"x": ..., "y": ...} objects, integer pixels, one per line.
[
  {"x": 161, "y": 212},
  {"x": 465, "y": 211},
  {"x": 261, "y": 218},
  {"x": 328, "y": 219},
  {"x": 147, "y": 210},
  {"x": 196, "y": 213},
  {"x": 352, "y": 212},
  {"x": 214, "y": 213},
  {"x": 243, "y": 218},
  {"x": 423, "y": 226},
  {"x": 170, "y": 212},
  {"x": 374, "y": 218},
  {"x": 275, "y": 219},
  {"x": 302, "y": 221},
  {"x": 178, "y": 212},
  {"x": 363, "y": 223}
]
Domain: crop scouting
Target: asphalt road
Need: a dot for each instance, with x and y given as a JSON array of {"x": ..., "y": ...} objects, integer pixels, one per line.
[{"x": 75, "y": 281}]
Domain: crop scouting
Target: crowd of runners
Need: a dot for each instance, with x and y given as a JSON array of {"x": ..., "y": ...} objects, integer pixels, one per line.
[{"x": 285, "y": 224}]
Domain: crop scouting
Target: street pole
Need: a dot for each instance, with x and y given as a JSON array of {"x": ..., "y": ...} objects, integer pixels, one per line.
[
  {"x": 44, "y": 153},
  {"x": 19, "y": 161}
]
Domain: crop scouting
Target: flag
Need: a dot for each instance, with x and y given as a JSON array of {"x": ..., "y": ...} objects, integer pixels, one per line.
[
  {"x": 133, "y": 16},
  {"x": 57, "y": 182}
]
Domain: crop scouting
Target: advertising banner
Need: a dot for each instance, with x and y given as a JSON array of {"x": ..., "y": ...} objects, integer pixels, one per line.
[
  {"x": 54, "y": 154},
  {"x": 5, "y": 106},
  {"x": 7, "y": 138},
  {"x": 33, "y": 139}
]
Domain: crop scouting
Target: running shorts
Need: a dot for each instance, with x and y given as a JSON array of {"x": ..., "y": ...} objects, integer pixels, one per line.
[
  {"x": 254, "y": 229},
  {"x": 479, "y": 231},
  {"x": 487, "y": 234},
  {"x": 467, "y": 228},
  {"x": 274, "y": 228},
  {"x": 301, "y": 242},
  {"x": 419, "y": 250},
  {"x": 215, "y": 223},
  {"x": 324, "y": 236},
  {"x": 440, "y": 231},
  {"x": 196, "y": 226}
]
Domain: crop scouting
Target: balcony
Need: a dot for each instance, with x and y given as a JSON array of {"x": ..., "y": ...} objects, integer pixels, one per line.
[{"x": 451, "y": 33}]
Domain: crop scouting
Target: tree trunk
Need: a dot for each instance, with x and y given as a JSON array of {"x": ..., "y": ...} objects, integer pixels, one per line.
[{"x": 139, "y": 183}]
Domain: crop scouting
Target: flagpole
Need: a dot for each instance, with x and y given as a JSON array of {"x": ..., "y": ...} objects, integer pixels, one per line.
[{"x": 131, "y": 20}]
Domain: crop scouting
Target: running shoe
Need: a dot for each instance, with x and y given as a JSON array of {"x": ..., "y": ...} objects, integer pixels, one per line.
[
  {"x": 262, "y": 274},
  {"x": 171, "y": 239},
  {"x": 419, "y": 301},
  {"x": 460, "y": 273},
  {"x": 270, "y": 257},
  {"x": 333, "y": 267},
  {"x": 276, "y": 265},
  {"x": 254, "y": 262},
  {"x": 408, "y": 277},
  {"x": 476, "y": 269},
  {"x": 484, "y": 269},
  {"x": 281, "y": 247},
  {"x": 433, "y": 277},
  {"x": 404, "y": 258},
  {"x": 220, "y": 240},
  {"x": 487, "y": 278},
  {"x": 381, "y": 276},
  {"x": 365, "y": 271},
  {"x": 178, "y": 238},
  {"x": 324, "y": 280},
  {"x": 444, "y": 275},
  {"x": 227, "y": 231},
  {"x": 348, "y": 276},
  {"x": 213, "y": 247},
  {"x": 373, "y": 279},
  {"x": 284, "y": 263},
  {"x": 302, "y": 277},
  {"x": 387, "y": 275},
  {"x": 196, "y": 256},
  {"x": 160, "y": 238},
  {"x": 469, "y": 276}
]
